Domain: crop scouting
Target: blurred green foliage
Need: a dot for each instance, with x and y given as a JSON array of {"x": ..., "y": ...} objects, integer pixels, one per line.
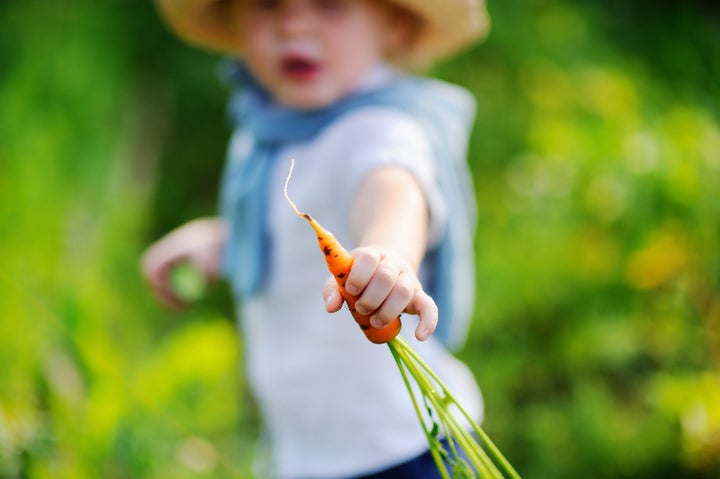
[{"x": 596, "y": 154}]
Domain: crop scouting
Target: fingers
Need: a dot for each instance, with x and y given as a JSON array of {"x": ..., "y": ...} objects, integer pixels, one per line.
[
  {"x": 365, "y": 263},
  {"x": 419, "y": 303},
  {"x": 393, "y": 303},
  {"x": 331, "y": 295},
  {"x": 427, "y": 310},
  {"x": 372, "y": 279},
  {"x": 157, "y": 273},
  {"x": 386, "y": 287},
  {"x": 198, "y": 242}
]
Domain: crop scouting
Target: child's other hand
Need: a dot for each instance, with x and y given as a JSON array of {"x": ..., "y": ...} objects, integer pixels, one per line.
[
  {"x": 199, "y": 243},
  {"x": 386, "y": 286}
]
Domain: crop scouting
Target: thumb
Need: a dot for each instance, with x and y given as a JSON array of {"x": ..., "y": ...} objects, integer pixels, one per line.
[
  {"x": 424, "y": 306},
  {"x": 331, "y": 296}
]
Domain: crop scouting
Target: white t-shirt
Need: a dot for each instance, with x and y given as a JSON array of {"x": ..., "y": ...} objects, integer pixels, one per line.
[{"x": 334, "y": 405}]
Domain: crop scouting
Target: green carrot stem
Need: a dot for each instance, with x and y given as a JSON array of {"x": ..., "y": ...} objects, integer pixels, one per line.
[
  {"x": 408, "y": 353},
  {"x": 477, "y": 455},
  {"x": 435, "y": 454},
  {"x": 480, "y": 461},
  {"x": 429, "y": 383}
]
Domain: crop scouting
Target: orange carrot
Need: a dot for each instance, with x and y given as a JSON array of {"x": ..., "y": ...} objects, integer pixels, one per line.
[{"x": 339, "y": 261}]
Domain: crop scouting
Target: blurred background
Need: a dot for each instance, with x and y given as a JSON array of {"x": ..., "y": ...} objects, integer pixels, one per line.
[{"x": 596, "y": 155}]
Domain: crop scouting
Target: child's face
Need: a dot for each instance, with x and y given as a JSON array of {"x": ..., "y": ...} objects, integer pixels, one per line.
[{"x": 310, "y": 53}]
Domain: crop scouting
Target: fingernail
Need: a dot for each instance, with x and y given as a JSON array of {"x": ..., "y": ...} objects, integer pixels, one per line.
[
  {"x": 375, "y": 322},
  {"x": 422, "y": 333},
  {"x": 331, "y": 297}
]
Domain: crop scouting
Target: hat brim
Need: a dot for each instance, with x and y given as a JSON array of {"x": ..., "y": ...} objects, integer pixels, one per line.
[{"x": 448, "y": 26}]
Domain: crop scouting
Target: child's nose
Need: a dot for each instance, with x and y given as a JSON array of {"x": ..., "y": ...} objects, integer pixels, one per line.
[{"x": 295, "y": 19}]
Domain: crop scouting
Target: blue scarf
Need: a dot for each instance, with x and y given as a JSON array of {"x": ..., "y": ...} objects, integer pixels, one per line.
[{"x": 444, "y": 111}]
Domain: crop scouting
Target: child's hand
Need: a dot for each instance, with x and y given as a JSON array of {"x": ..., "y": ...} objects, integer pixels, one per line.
[
  {"x": 386, "y": 286},
  {"x": 199, "y": 243}
]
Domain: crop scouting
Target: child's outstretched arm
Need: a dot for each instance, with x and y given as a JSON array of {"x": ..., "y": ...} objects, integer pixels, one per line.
[
  {"x": 198, "y": 242},
  {"x": 390, "y": 223}
]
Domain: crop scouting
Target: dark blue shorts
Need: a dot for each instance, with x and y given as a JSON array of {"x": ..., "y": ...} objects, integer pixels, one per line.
[{"x": 422, "y": 467}]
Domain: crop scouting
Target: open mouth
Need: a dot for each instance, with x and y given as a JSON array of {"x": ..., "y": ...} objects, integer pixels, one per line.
[{"x": 299, "y": 68}]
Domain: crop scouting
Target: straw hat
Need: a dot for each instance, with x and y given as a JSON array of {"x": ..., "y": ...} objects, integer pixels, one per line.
[{"x": 448, "y": 26}]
